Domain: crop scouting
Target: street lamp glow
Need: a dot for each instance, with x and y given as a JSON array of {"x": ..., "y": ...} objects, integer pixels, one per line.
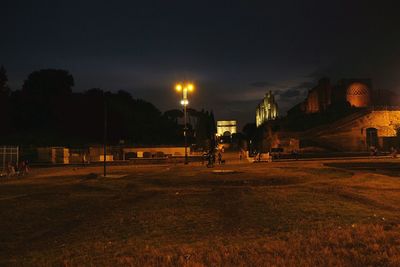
[
  {"x": 185, "y": 88},
  {"x": 178, "y": 87}
]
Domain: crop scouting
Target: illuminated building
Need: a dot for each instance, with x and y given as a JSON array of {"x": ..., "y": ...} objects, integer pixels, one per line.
[
  {"x": 352, "y": 117},
  {"x": 358, "y": 95},
  {"x": 226, "y": 128},
  {"x": 357, "y": 92},
  {"x": 267, "y": 109},
  {"x": 319, "y": 97}
]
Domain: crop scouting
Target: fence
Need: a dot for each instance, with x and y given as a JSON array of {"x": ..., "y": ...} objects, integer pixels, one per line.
[{"x": 8, "y": 155}]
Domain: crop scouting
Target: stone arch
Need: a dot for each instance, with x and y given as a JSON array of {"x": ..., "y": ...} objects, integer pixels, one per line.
[{"x": 227, "y": 133}]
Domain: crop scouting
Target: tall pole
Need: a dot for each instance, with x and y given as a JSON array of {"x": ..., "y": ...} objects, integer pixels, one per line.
[
  {"x": 17, "y": 156},
  {"x": 185, "y": 88},
  {"x": 185, "y": 132},
  {"x": 4, "y": 158},
  {"x": 105, "y": 139}
]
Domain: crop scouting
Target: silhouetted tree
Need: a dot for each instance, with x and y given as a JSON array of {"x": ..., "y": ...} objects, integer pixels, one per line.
[
  {"x": 43, "y": 104},
  {"x": 212, "y": 129},
  {"x": 5, "y": 120},
  {"x": 251, "y": 133},
  {"x": 46, "y": 112},
  {"x": 4, "y": 89},
  {"x": 173, "y": 114},
  {"x": 250, "y": 130},
  {"x": 205, "y": 130},
  {"x": 48, "y": 82}
]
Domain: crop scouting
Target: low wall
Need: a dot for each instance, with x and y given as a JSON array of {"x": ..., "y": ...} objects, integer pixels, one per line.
[{"x": 141, "y": 151}]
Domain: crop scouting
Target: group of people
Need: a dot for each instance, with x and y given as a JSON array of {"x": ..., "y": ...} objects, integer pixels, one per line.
[
  {"x": 20, "y": 170},
  {"x": 211, "y": 158}
]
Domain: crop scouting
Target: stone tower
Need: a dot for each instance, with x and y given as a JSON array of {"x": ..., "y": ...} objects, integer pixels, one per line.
[
  {"x": 358, "y": 95},
  {"x": 267, "y": 109}
]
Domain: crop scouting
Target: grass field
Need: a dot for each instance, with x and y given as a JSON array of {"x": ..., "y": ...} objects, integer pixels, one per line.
[{"x": 283, "y": 214}]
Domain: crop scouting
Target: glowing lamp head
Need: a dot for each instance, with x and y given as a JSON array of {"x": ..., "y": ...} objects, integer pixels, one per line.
[
  {"x": 184, "y": 102},
  {"x": 178, "y": 87},
  {"x": 190, "y": 87}
]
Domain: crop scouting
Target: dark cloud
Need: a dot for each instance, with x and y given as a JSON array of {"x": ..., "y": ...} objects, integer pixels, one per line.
[
  {"x": 296, "y": 91},
  {"x": 291, "y": 93},
  {"x": 305, "y": 85},
  {"x": 144, "y": 47},
  {"x": 262, "y": 84},
  {"x": 319, "y": 73}
]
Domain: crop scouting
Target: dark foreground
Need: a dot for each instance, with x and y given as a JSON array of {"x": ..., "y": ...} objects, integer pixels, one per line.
[{"x": 284, "y": 214}]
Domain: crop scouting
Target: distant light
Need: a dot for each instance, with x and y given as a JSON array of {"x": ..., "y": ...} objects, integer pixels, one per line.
[
  {"x": 184, "y": 102},
  {"x": 190, "y": 87},
  {"x": 178, "y": 87}
]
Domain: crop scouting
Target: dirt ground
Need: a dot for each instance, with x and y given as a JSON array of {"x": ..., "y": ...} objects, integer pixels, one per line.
[{"x": 300, "y": 213}]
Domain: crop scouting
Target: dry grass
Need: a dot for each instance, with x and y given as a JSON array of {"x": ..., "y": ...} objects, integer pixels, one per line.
[{"x": 279, "y": 214}]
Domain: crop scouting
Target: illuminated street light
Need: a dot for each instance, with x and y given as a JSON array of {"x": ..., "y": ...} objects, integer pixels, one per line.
[
  {"x": 178, "y": 87},
  {"x": 185, "y": 88}
]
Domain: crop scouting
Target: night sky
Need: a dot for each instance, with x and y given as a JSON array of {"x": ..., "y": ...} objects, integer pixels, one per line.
[{"x": 233, "y": 50}]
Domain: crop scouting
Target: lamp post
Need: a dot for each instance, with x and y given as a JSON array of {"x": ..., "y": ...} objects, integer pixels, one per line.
[
  {"x": 185, "y": 88},
  {"x": 105, "y": 137}
]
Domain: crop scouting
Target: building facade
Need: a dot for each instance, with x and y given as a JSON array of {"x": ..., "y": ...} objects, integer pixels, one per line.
[
  {"x": 267, "y": 109},
  {"x": 357, "y": 92},
  {"x": 226, "y": 128},
  {"x": 358, "y": 132},
  {"x": 357, "y": 118},
  {"x": 319, "y": 97}
]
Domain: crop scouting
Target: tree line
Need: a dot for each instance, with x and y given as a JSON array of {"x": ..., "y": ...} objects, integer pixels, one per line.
[{"x": 46, "y": 112}]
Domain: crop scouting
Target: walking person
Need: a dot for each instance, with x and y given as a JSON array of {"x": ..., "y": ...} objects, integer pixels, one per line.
[
  {"x": 210, "y": 160},
  {"x": 26, "y": 167},
  {"x": 21, "y": 168},
  {"x": 393, "y": 152},
  {"x": 10, "y": 169}
]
